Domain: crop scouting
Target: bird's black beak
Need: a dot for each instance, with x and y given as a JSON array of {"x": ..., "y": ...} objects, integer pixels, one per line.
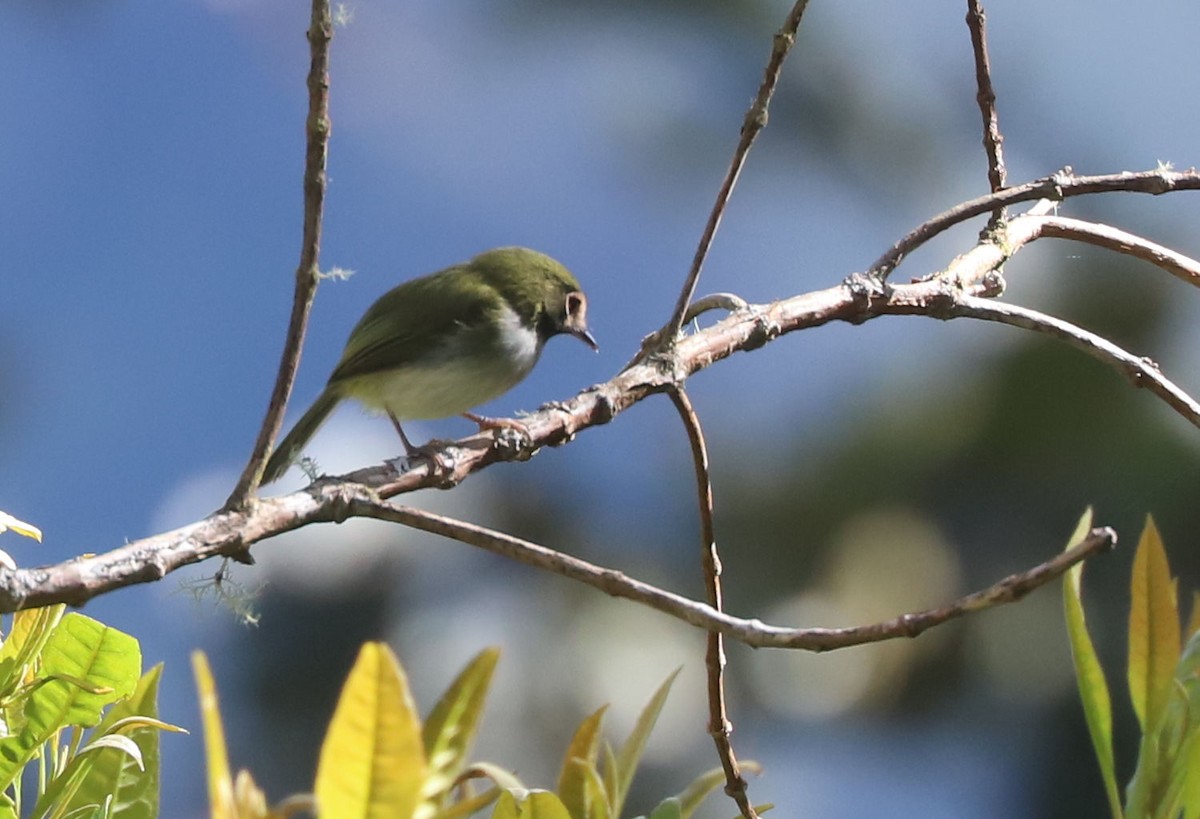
[{"x": 584, "y": 335}]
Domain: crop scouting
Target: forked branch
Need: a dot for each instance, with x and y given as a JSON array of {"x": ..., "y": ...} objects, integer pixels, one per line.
[{"x": 317, "y": 130}]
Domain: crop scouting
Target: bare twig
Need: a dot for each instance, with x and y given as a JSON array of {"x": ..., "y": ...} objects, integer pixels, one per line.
[
  {"x": 320, "y": 32},
  {"x": 751, "y": 632},
  {"x": 719, "y": 726},
  {"x": 1142, "y": 372},
  {"x": 755, "y": 121},
  {"x": 1120, "y": 241},
  {"x": 993, "y": 140},
  {"x": 1057, "y": 187},
  {"x": 729, "y": 302}
]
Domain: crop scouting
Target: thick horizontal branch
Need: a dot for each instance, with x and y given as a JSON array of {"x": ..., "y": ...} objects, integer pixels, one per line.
[{"x": 231, "y": 532}]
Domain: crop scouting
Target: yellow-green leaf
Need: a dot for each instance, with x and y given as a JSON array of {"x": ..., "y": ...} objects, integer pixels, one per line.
[
  {"x": 1188, "y": 764},
  {"x": 1093, "y": 688},
  {"x": 372, "y": 763},
  {"x": 1193, "y": 626},
  {"x": 91, "y": 665},
  {"x": 594, "y": 798},
  {"x": 530, "y": 805},
  {"x": 30, "y": 630},
  {"x": 464, "y": 806},
  {"x": 502, "y": 777},
  {"x": 1148, "y": 792},
  {"x": 669, "y": 808},
  {"x": 83, "y": 666},
  {"x": 220, "y": 781},
  {"x": 1154, "y": 642},
  {"x": 585, "y": 746},
  {"x": 630, "y": 754},
  {"x": 611, "y": 772},
  {"x": 451, "y": 726},
  {"x": 707, "y": 782},
  {"x": 20, "y": 527},
  {"x": 250, "y": 799},
  {"x": 1182, "y": 721},
  {"x": 112, "y": 773}
]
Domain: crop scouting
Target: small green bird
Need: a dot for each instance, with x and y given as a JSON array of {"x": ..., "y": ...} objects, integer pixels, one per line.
[{"x": 438, "y": 345}]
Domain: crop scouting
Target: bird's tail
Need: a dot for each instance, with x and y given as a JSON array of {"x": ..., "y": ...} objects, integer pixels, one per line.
[{"x": 289, "y": 448}]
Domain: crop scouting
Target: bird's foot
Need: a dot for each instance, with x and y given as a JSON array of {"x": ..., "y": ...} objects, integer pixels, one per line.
[
  {"x": 432, "y": 453},
  {"x": 513, "y": 439},
  {"x": 485, "y": 422}
]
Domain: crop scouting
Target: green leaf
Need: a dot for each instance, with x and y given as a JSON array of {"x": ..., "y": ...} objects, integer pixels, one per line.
[
  {"x": 1160, "y": 786},
  {"x": 1193, "y": 626},
  {"x": 1154, "y": 643},
  {"x": 220, "y": 781},
  {"x": 530, "y": 805},
  {"x": 372, "y": 762},
  {"x": 630, "y": 754},
  {"x": 31, "y": 629},
  {"x": 1189, "y": 763},
  {"x": 469, "y": 806},
  {"x": 451, "y": 727},
  {"x": 707, "y": 782},
  {"x": 1093, "y": 688},
  {"x": 611, "y": 771},
  {"x": 110, "y": 772},
  {"x": 595, "y": 800},
  {"x": 502, "y": 777},
  {"x": 1180, "y": 737},
  {"x": 572, "y": 779},
  {"x": 82, "y": 650},
  {"x": 118, "y": 742},
  {"x": 670, "y": 808},
  {"x": 1147, "y": 792},
  {"x": 78, "y": 651}
]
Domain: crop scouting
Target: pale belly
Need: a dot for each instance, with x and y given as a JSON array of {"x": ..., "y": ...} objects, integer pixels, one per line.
[
  {"x": 420, "y": 394},
  {"x": 453, "y": 384}
]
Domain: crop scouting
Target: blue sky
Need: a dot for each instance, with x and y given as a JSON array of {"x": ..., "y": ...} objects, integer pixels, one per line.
[{"x": 150, "y": 202}]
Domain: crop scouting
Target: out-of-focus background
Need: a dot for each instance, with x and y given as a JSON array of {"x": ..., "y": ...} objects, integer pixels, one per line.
[{"x": 150, "y": 163}]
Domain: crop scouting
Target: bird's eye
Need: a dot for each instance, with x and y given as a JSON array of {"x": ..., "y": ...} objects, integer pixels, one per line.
[{"x": 576, "y": 304}]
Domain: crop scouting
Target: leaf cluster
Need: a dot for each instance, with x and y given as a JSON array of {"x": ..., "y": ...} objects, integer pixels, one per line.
[
  {"x": 1163, "y": 676},
  {"x": 379, "y": 759},
  {"x": 76, "y": 710}
]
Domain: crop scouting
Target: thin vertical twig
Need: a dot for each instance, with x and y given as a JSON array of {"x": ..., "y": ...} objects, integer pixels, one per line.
[
  {"x": 317, "y": 128},
  {"x": 719, "y": 726},
  {"x": 755, "y": 121},
  {"x": 993, "y": 140}
]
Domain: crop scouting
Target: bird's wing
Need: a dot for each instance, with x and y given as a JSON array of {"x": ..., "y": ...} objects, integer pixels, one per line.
[{"x": 402, "y": 328}]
